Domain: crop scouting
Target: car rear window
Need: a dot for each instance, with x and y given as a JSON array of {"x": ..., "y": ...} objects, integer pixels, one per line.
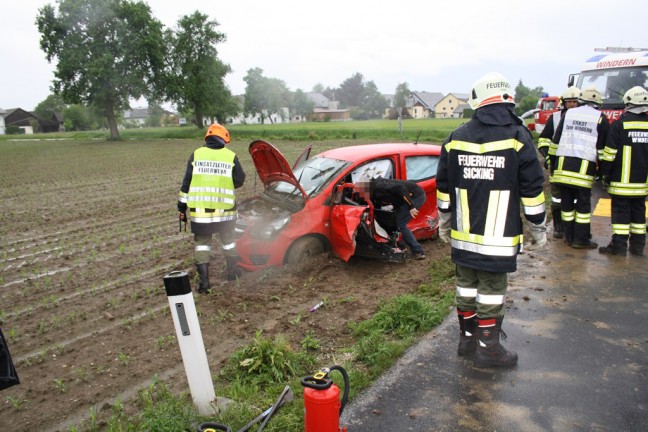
[{"x": 421, "y": 167}]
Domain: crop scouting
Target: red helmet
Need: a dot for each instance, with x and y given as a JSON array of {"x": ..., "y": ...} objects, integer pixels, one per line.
[{"x": 219, "y": 131}]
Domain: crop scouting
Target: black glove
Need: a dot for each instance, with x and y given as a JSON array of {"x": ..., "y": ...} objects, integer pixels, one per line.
[{"x": 182, "y": 207}]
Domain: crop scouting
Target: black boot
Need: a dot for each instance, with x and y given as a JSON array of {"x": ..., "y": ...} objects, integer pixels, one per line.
[
  {"x": 468, "y": 333},
  {"x": 490, "y": 353},
  {"x": 568, "y": 231},
  {"x": 557, "y": 223},
  {"x": 582, "y": 237},
  {"x": 232, "y": 272},
  {"x": 618, "y": 246},
  {"x": 203, "y": 278},
  {"x": 637, "y": 243}
]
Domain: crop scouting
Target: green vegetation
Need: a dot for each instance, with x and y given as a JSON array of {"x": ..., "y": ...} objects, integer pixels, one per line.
[{"x": 255, "y": 375}]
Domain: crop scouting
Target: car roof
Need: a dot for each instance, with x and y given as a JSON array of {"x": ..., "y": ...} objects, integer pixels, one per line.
[{"x": 352, "y": 153}]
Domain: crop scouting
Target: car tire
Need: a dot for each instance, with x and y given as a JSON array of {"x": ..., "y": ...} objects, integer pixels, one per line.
[{"x": 304, "y": 248}]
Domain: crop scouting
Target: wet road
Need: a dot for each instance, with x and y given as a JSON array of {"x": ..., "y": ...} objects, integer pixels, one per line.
[{"x": 579, "y": 322}]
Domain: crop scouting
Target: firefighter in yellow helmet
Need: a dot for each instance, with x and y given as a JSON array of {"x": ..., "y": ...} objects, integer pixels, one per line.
[
  {"x": 624, "y": 166},
  {"x": 569, "y": 99},
  {"x": 580, "y": 138},
  {"x": 488, "y": 174},
  {"x": 208, "y": 191}
]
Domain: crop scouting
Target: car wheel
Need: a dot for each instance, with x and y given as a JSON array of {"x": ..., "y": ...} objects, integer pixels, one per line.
[{"x": 304, "y": 248}]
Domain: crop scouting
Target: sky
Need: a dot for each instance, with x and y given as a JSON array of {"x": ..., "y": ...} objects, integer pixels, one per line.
[{"x": 432, "y": 45}]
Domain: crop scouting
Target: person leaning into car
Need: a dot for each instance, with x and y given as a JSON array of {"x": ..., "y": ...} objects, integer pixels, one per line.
[{"x": 406, "y": 197}]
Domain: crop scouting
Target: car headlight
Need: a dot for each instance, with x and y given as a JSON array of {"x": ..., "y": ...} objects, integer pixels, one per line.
[{"x": 265, "y": 231}]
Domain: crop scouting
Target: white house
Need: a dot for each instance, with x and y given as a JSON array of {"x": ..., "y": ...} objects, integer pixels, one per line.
[{"x": 2, "y": 122}]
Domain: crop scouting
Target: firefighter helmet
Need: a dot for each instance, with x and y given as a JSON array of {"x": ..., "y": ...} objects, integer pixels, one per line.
[
  {"x": 591, "y": 95},
  {"x": 492, "y": 88},
  {"x": 572, "y": 93},
  {"x": 219, "y": 131},
  {"x": 636, "y": 96}
]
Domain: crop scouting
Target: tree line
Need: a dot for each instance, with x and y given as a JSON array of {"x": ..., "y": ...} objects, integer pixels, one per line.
[{"x": 108, "y": 52}]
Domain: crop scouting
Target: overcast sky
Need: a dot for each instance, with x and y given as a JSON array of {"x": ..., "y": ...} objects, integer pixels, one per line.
[{"x": 436, "y": 46}]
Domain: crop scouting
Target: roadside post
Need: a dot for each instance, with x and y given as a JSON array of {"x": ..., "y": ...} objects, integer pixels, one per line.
[{"x": 192, "y": 348}]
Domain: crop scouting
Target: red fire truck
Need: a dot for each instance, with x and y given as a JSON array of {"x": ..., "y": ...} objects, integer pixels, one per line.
[{"x": 547, "y": 105}]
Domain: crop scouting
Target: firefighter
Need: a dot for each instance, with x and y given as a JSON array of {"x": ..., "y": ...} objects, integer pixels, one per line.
[
  {"x": 569, "y": 99},
  {"x": 208, "y": 191},
  {"x": 488, "y": 173},
  {"x": 624, "y": 166},
  {"x": 580, "y": 138}
]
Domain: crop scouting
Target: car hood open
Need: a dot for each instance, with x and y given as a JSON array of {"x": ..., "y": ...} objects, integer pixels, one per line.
[{"x": 272, "y": 166}]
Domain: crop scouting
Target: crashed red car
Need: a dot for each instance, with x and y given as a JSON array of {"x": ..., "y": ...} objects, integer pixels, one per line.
[{"x": 313, "y": 206}]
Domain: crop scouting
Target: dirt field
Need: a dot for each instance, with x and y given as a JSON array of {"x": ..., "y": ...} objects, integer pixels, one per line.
[{"x": 87, "y": 232}]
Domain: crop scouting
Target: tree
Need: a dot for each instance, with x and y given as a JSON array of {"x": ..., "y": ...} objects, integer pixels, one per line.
[
  {"x": 196, "y": 79},
  {"x": 76, "y": 118},
  {"x": 48, "y": 107},
  {"x": 264, "y": 96},
  {"x": 107, "y": 52},
  {"x": 301, "y": 105},
  {"x": 373, "y": 102},
  {"x": 402, "y": 95},
  {"x": 352, "y": 91},
  {"x": 526, "y": 98}
]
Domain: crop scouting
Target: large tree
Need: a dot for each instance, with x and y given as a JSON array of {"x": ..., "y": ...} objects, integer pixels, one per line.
[
  {"x": 526, "y": 98},
  {"x": 264, "y": 96},
  {"x": 196, "y": 82},
  {"x": 107, "y": 52},
  {"x": 50, "y": 106}
]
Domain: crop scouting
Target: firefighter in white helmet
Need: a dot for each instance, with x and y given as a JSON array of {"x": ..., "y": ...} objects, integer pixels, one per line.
[
  {"x": 213, "y": 173},
  {"x": 624, "y": 166},
  {"x": 580, "y": 138},
  {"x": 569, "y": 99},
  {"x": 488, "y": 174}
]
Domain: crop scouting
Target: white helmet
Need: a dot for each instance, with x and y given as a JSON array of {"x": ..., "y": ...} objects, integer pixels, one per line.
[
  {"x": 492, "y": 88},
  {"x": 591, "y": 95},
  {"x": 636, "y": 96},
  {"x": 571, "y": 93}
]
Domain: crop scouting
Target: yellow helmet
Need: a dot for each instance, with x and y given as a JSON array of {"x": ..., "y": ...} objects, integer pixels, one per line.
[
  {"x": 219, "y": 131},
  {"x": 591, "y": 95},
  {"x": 572, "y": 93},
  {"x": 636, "y": 96},
  {"x": 492, "y": 88}
]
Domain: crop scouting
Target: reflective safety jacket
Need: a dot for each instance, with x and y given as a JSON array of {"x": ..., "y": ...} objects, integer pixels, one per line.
[
  {"x": 213, "y": 173},
  {"x": 544, "y": 140},
  {"x": 488, "y": 173},
  {"x": 624, "y": 162},
  {"x": 580, "y": 137}
]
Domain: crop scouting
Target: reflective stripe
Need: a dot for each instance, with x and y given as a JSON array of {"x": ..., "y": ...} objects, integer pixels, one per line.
[
  {"x": 509, "y": 144},
  {"x": 490, "y": 299},
  {"x": 609, "y": 154},
  {"x": 203, "y": 248},
  {"x": 635, "y": 125},
  {"x": 638, "y": 228},
  {"x": 212, "y": 219},
  {"x": 466, "y": 292},
  {"x": 544, "y": 142},
  {"x": 182, "y": 197},
  {"x": 214, "y": 199},
  {"x": 498, "y": 202},
  {"x": 628, "y": 189},
  {"x": 568, "y": 216},
  {"x": 229, "y": 246},
  {"x": 555, "y": 200},
  {"x": 625, "y": 164},
  {"x": 485, "y": 249},
  {"x": 534, "y": 206},
  {"x": 463, "y": 211},
  {"x": 583, "y": 218},
  {"x": 443, "y": 200},
  {"x": 206, "y": 189},
  {"x": 621, "y": 229}
]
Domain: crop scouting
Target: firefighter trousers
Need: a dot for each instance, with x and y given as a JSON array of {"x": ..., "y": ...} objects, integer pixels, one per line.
[
  {"x": 481, "y": 291},
  {"x": 576, "y": 213},
  {"x": 629, "y": 219}
]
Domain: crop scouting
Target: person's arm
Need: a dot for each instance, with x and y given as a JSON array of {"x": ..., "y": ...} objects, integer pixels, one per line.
[
  {"x": 184, "y": 188},
  {"x": 238, "y": 175}
]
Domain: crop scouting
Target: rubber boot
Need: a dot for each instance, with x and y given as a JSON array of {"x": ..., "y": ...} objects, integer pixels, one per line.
[
  {"x": 568, "y": 231},
  {"x": 582, "y": 237},
  {"x": 232, "y": 272},
  {"x": 557, "y": 223},
  {"x": 468, "y": 333},
  {"x": 203, "y": 278},
  {"x": 618, "y": 246},
  {"x": 490, "y": 353},
  {"x": 637, "y": 243}
]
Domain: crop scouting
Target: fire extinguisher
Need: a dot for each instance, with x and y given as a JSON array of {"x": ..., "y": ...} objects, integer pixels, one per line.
[{"x": 322, "y": 406}]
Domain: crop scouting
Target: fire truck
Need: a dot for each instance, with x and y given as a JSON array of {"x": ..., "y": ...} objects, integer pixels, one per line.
[
  {"x": 613, "y": 71},
  {"x": 547, "y": 105}
]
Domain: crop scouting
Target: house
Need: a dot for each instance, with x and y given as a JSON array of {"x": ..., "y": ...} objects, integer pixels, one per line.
[
  {"x": 423, "y": 104},
  {"x": 138, "y": 117},
  {"x": 459, "y": 112},
  {"x": 446, "y": 107},
  {"x": 28, "y": 122},
  {"x": 325, "y": 109},
  {"x": 2, "y": 121}
]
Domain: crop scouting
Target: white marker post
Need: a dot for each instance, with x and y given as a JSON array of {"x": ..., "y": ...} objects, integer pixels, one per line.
[{"x": 192, "y": 348}]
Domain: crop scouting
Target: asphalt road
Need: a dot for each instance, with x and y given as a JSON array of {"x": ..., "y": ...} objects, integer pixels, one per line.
[{"x": 579, "y": 323}]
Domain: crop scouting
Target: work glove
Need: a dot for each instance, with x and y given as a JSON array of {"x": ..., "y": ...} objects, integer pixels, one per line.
[
  {"x": 445, "y": 225},
  {"x": 539, "y": 234}
]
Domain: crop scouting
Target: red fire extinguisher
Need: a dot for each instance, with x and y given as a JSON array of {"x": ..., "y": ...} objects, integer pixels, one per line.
[{"x": 322, "y": 406}]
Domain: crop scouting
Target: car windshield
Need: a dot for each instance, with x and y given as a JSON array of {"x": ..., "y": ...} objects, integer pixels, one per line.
[
  {"x": 613, "y": 83},
  {"x": 313, "y": 175}
]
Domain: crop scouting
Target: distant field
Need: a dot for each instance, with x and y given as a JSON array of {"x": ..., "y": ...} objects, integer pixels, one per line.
[{"x": 427, "y": 130}]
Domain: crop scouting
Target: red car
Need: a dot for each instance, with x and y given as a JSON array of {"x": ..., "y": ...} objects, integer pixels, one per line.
[{"x": 314, "y": 207}]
